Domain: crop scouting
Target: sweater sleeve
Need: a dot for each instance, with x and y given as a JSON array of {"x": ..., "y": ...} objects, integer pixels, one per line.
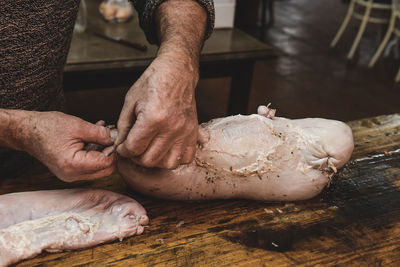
[{"x": 147, "y": 8}]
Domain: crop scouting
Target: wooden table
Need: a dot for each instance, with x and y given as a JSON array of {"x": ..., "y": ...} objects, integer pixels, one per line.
[
  {"x": 356, "y": 221},
  {"x": 95, "y": 63}
]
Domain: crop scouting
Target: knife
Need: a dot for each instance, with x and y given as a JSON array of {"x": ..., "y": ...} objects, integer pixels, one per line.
[{"x": 138, "y": 46}]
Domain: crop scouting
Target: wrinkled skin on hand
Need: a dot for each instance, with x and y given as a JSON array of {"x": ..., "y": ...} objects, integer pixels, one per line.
[
  {"x": 158, "y": 122},
  {"x": 58, "y": 141}
]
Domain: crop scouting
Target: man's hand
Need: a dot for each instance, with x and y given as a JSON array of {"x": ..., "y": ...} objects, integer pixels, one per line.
[
  {"x": 57, "y": 140},
  {"x": 158, "y": 123}
]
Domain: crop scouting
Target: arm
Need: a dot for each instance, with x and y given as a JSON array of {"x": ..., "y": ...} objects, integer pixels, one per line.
[
  {"x": 57, "y": 140},
  {"x": 158, "y": 122},
  {"x": 148, "y": 9},
  {"x": 181, "y": 27}
]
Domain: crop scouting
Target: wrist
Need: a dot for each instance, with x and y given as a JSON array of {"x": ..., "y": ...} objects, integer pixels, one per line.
[
  {"x": 14, "y": 128},
  {"x": 181, "y": 28},
  {"x": 180, "y": 63}
]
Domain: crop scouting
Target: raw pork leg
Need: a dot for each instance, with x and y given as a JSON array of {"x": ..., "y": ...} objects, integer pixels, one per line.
[
  {"x": 56, "y": 220},
  {"x": 255, "y": 157}
]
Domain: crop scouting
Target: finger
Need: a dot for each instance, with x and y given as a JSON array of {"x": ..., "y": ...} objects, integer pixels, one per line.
[
  {"x": 202, "y": 136},
  {"x": 92, "y": 133},
  {"x": 98, "y": 174},
  {"x": 100, "y": 123},
  {"x": 92, "y": 161},
  {"x": 190, "y": 147},
  {"x": 126, "y": 120},
  {"x": 102, "y": 173},
  {"x": 108, "y": 151},
  {"x": 138, "y": 140},
  {"x": 173, "y": 158},
  {"x": 155, "y": 153},
  {"x": 188, "y": 155},
  {"x": 90, "y": 172}
]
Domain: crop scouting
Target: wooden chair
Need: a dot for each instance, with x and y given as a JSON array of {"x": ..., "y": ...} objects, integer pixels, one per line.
[
  {"x": 267, "y": 4},
  {"x": 392, "y": 29},
  {"x": 369, "y": 5}
]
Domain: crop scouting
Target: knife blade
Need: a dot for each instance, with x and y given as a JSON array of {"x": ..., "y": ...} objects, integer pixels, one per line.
[{"x": 136, "y": 45}]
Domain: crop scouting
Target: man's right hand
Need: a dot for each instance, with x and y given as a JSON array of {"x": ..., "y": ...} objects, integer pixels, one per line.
[{"x": 57, "y": 140}]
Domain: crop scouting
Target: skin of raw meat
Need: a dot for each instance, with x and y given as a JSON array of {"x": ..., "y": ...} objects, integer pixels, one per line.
[{"x": 259, "y": 157}]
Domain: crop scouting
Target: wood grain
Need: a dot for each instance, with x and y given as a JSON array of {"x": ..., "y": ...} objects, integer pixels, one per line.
[
  {"x": 375, "y": 135},
  {"x": 356, "y": 221}
]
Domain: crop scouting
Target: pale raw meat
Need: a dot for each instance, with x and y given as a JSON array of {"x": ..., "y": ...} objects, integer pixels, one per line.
[
  {"x": 56, "y": 220},
  {"x": 255, "y": 157}
]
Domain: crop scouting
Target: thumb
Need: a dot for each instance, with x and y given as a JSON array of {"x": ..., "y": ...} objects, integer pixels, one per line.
[
  {"x": 92, "y": 133},
  {"x": 125, "y": 122}
]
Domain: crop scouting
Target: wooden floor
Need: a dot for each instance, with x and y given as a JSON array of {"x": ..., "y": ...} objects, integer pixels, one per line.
[{"x": 310, "y": 79}]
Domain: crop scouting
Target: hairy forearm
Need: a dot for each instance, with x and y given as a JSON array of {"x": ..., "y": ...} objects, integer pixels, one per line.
[
  {"x": 12, "y": 129},
  {"x": 181, "y": 26}
]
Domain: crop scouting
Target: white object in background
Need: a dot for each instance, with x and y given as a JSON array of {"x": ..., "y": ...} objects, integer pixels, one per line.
[
  {"x": 81, "y": 18},
  {"x": 224, "y": 13},
  {"x": 116, "y": 10}
]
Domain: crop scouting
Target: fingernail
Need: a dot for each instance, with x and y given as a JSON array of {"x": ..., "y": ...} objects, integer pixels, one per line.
[
  {"x": 114, "y": 135},
  {"x": 112, "y": 151}
]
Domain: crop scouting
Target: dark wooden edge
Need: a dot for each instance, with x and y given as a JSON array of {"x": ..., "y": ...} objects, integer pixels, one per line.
[
  {"x": 141, "y": 64},
  {"x": 101, "y": 78}
]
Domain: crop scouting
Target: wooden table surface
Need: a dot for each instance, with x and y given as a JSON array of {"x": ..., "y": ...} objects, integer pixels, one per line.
[{"x": 356, "y": 221}]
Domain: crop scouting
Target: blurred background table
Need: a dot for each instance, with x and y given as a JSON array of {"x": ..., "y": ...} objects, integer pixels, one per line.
[{"x": 96, "y": 63}]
